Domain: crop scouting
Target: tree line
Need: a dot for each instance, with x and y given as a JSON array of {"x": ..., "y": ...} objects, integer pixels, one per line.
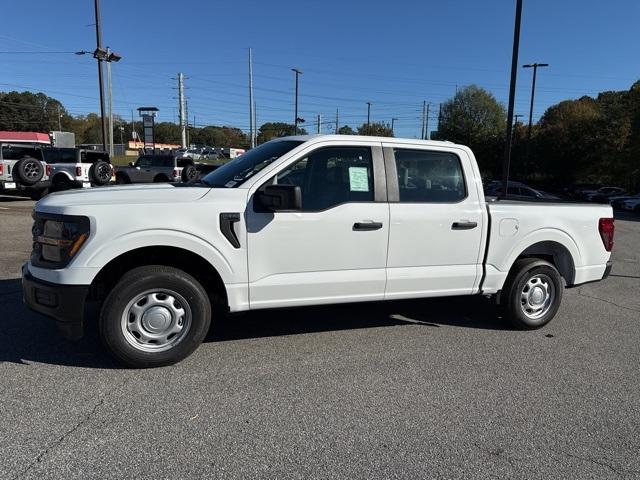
[
  {"x": 584, "y": 140},
  {"x": 587, "y": 140}
]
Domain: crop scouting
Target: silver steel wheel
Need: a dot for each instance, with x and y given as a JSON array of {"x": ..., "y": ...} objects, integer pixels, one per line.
[
  {"x": 156, "y": 320},
  {"x": 537, "y": 296},
  {"x": 31, "y": 169}
]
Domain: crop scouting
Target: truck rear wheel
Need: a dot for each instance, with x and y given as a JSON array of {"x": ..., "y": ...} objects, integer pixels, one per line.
[
  {"x": 532, "y": 293},
  {"x": 154, "y": 316}
]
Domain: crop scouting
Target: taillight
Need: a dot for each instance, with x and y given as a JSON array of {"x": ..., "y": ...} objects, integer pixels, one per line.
[
  {"x": 1, "y": 169},
  {"x": 78, "y": 171},
  {"x": 606, "y": 229},
  {"x": 47, "y": 169},
  {"x": 176, "y": 173}
]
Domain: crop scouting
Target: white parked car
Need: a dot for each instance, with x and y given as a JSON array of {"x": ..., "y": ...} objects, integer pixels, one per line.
[{"x": 297, "y": 221}]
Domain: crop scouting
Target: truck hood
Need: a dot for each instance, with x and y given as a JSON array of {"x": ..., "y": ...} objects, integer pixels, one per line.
[{"x": 122, "y": 195}]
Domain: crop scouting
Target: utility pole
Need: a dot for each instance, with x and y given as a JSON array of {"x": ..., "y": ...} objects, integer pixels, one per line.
[
  {"x": 295, "y": 120},
  {"x": 516, "y": 116},
  {"x": 252, "y": 125},
  {"x": 59, "y": 119},
  {"x": 426, "y": 123},
  {"x": 439, "y": 116},
  {"x": 121, "y": 128},
  {"x": 337, "y": 119},
  {"x": 133, "y": 127},
  {"x": 533, "y": 92},
  {"x": 424, "y": 116},
  {"x": 110, "y": 92},
  {"x": 319, "y": 118},
  {"x": 255, "y": 125},
  {"x": 512, "y": 94},
  {"x": 186, "y": 117},
  {"x": 181, "y": 110},
  {"x": 393, "y": 122},
  {"x": 368, "y": 115},
  {"x": 98, "y": 56}
]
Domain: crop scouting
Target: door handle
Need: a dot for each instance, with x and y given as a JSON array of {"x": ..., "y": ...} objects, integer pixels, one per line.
[
  {"x": 463, "y": 225},
  {"x": 364, "y": 226}
]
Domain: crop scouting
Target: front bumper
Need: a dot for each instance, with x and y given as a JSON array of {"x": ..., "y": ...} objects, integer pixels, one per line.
[{"x": 63, "y": 303}]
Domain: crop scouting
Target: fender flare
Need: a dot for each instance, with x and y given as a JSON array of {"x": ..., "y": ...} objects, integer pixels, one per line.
[
  {"x": 543, "y": 235},
  {"x": 123, "y": 244}
]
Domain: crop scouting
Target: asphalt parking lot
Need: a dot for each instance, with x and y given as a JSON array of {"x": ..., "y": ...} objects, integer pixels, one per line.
[{"x": 433, "y": 388}]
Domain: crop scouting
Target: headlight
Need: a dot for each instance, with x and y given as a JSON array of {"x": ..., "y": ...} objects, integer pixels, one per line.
[{"x": 57, "y": 239}]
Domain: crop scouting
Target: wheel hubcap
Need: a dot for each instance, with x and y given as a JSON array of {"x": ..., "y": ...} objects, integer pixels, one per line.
[
  {"x": 537, "y": 296},
  {"x": 156, "y": 320}
]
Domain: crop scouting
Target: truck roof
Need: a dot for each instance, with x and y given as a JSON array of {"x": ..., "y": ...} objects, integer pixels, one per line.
[{"x": 413, "y": 141}]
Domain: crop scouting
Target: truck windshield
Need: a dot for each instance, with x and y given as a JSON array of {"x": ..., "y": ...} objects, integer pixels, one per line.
[{"x": 247, "y": 165}]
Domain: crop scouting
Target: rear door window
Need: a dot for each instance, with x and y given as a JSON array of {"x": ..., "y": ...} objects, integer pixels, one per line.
[{"x": 426, "y": 176}]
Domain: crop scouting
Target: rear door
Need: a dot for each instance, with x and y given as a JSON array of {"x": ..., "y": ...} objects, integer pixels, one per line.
[
  {"x": 335, "y": 248},
  {"x": 435, "y": 222}
]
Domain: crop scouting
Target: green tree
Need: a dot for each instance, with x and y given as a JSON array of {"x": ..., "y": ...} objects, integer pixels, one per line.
[
  {"x": 474, "y": 117},
  {"x": 471, "y": 116},
  {"x": 167, "y": 132},
  {"x": 271, "y": 130},
  {"x": 27, "y": 111},
  {"x": 375, "y": 130},
  {"x": 346, "y": 130}
]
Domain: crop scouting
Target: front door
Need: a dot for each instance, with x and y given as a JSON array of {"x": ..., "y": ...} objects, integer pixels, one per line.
[
  {"x": 335, "y": 248},
  {"x": 435, "y": 222}
]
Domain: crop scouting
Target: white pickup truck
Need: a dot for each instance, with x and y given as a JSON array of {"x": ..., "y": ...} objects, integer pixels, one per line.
[{"x": 299, "y": 221}]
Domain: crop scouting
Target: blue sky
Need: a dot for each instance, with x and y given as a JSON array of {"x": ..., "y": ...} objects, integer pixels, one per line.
[{"x": 393, "y": 54}]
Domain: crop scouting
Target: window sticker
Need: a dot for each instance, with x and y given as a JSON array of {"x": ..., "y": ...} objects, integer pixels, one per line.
[{"x": 358, "y": 179}]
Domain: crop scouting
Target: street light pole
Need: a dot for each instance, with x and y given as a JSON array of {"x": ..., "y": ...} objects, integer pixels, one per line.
[
  {"x": 512, "y": 94},
  {"x": 295, "y": 120},
  {"x": 393, "y": 123},
  {"x": 96, "y": 4},
  {"x": 533, "y": 92},
  {"x": 368, "y": 115},
  {"x": 110, "y": 103}
]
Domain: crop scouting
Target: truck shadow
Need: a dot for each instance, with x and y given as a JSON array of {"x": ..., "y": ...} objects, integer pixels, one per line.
[
  {"x": 467, "y": 312},
  {"x": 27, "y": 337}
]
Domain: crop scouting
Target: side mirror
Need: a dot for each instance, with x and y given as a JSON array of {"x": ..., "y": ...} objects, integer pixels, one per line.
[
  {"x": 131, "y": 164},
  {"x": 278, "y": 198}
]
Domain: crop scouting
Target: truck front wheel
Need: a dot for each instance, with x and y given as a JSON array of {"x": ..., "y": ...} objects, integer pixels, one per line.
[
  {"x": 532, "y": 293},
  {"x": 154, "y": 316}
]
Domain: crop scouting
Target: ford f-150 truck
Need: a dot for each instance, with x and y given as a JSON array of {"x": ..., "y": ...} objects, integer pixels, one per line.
[{"x": 297, "y": 221}]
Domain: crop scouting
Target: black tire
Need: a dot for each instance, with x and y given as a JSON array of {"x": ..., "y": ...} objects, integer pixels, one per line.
[
  {"x": 129, "y": 349},
  {"x": 161, "y": 179},
  {"x": 28, "y": 171},
  {"x": 522, "y": 281},
  {"x": 37, "y": 194},
  {"x": 122, "y": 179},
  {"x": 100, "y": 173},
  {"x": 189, "y": 173}
]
